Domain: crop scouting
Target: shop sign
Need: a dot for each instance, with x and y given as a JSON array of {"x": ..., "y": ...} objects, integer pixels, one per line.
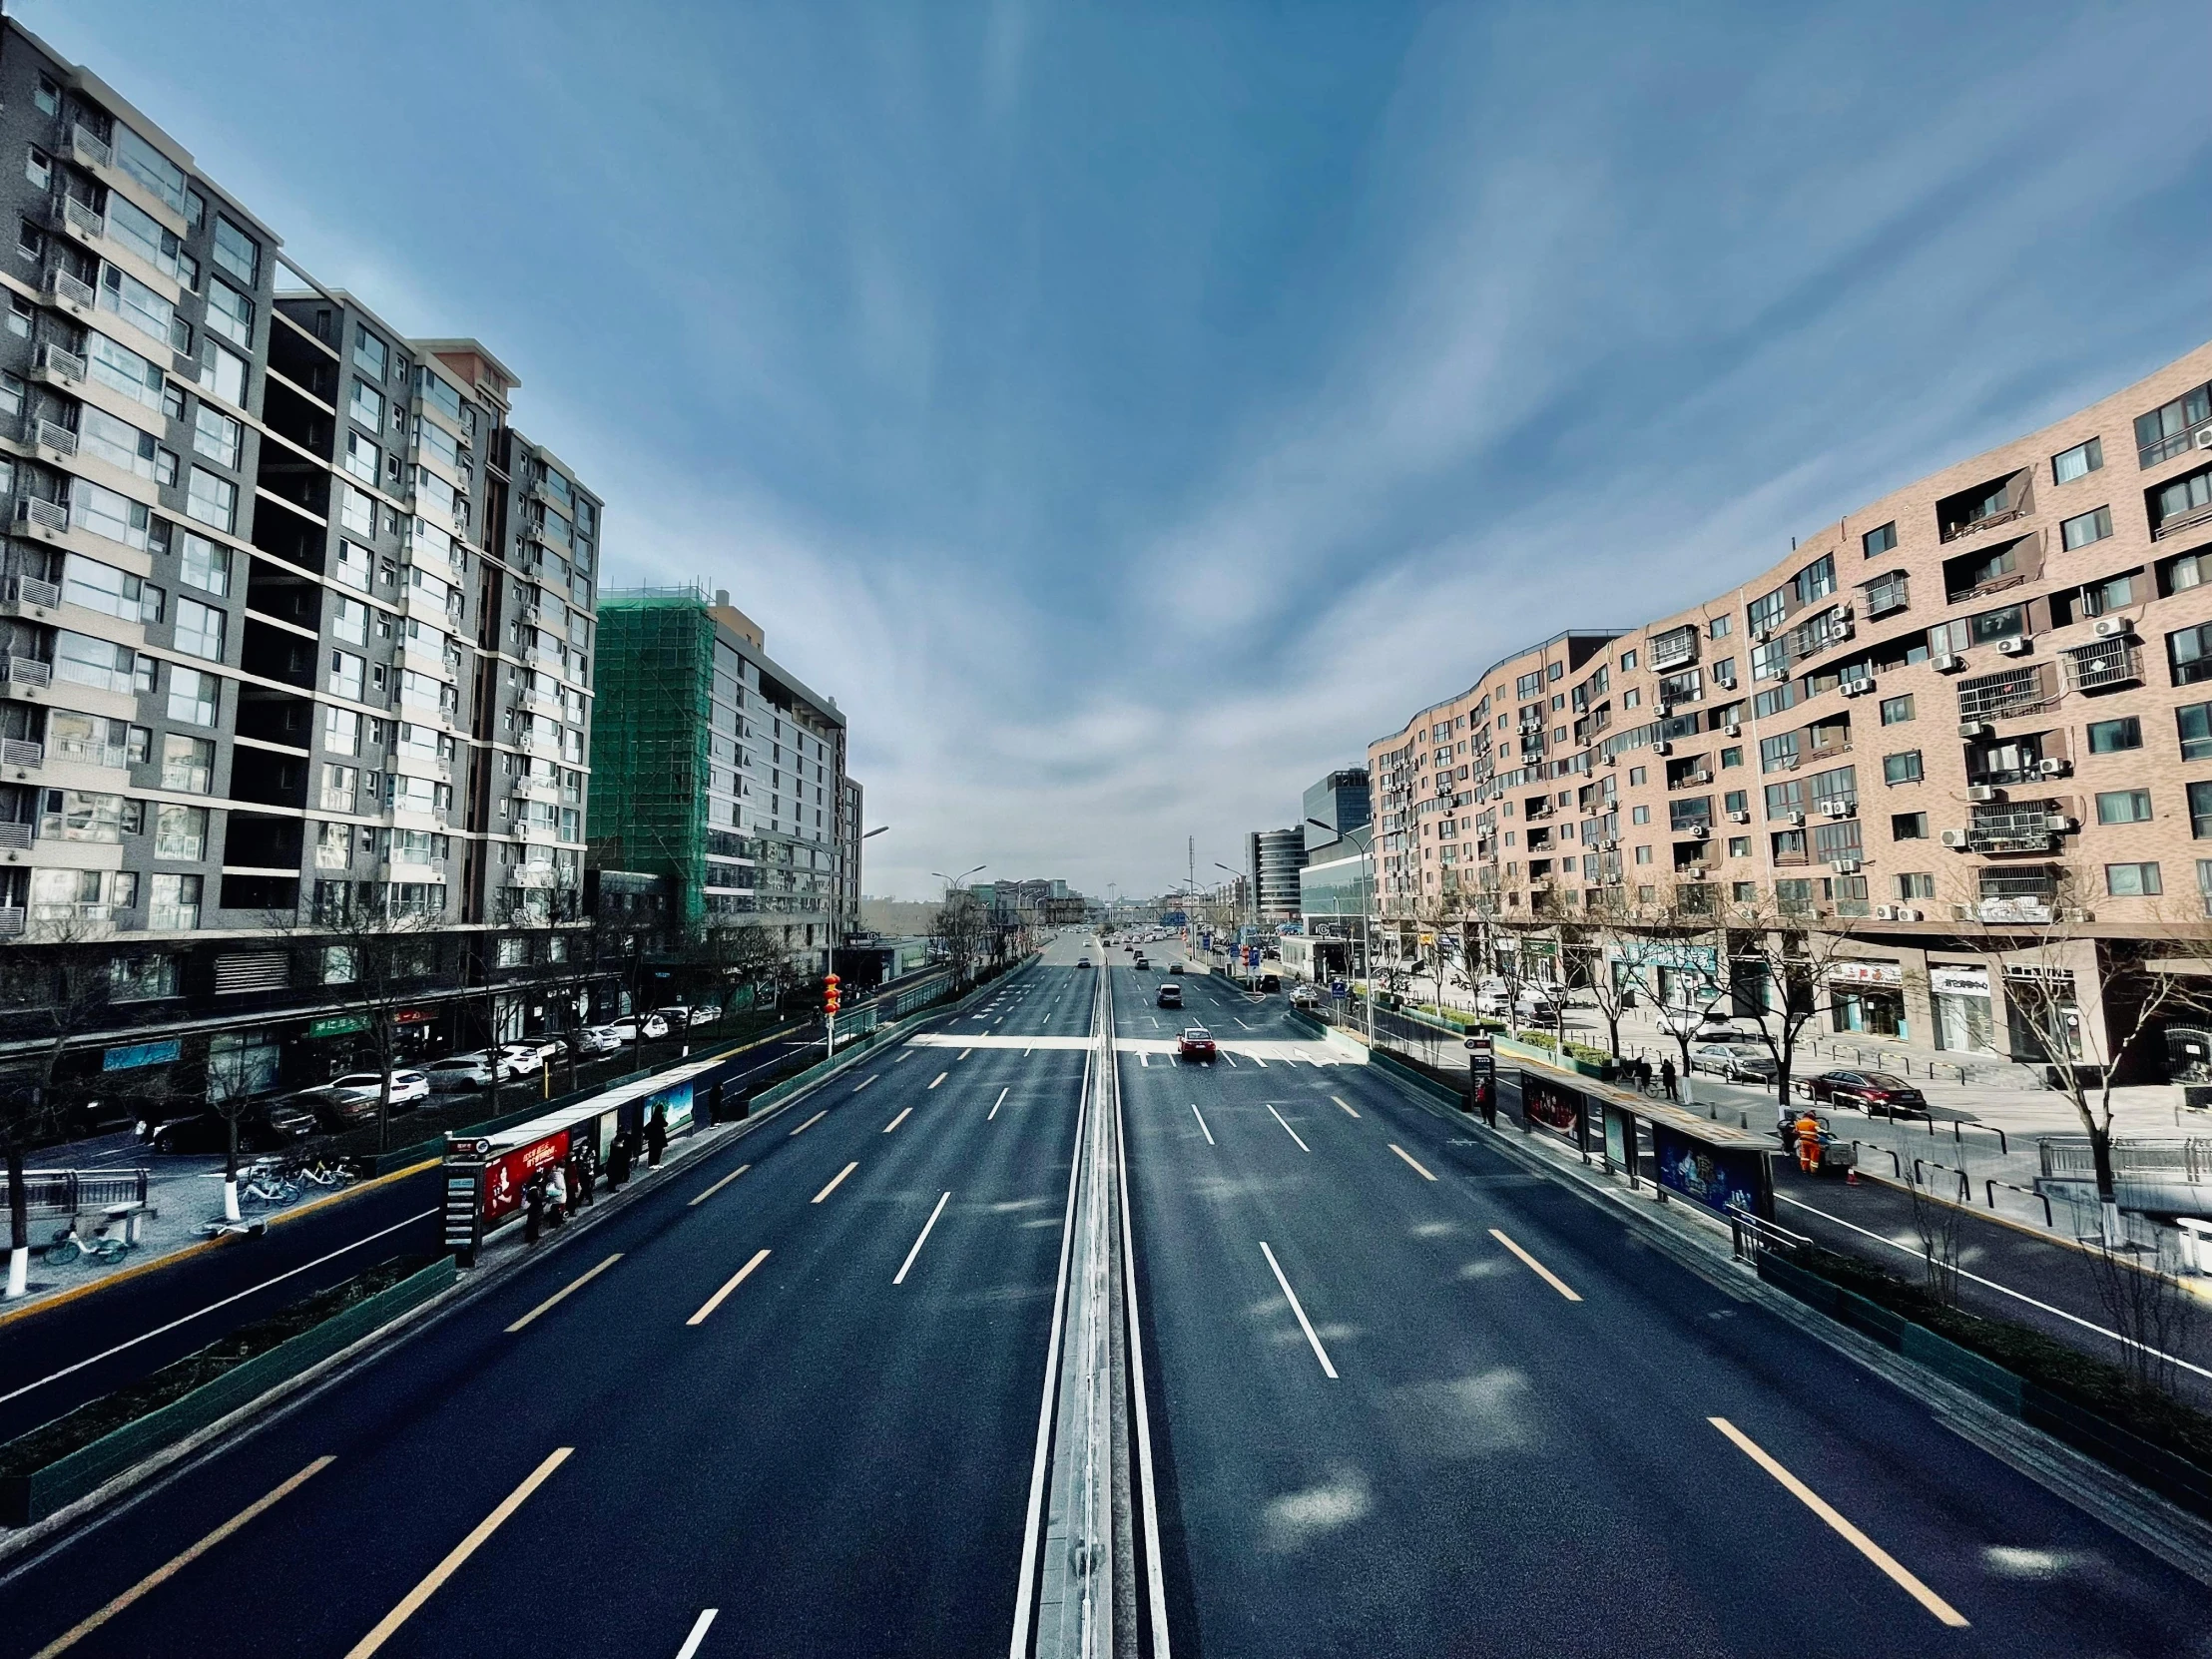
[
  {"x": 141, "y": 1054},
  {"x": 1957, "y": 979},
  {"x": 338, "y": 1025},
  {"x": 1696, "y": 958},
  {"x": 1866, "y": 974},
  {"x": 412, "y": 1016},
  {"x": 504, "y": 1181}
]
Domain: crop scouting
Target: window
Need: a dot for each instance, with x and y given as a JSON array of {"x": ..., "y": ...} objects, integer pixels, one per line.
[
  {"x": 2110, "y": 737},
  {"x": 237, "y": 253},
  {"x": 2077, "y": 462},
  {"x": 2189, "y": 653},
  {"x": 363, "y": 457},
  {"x": 165, "y": 468},
  {"x": 11, "y": 393},
  {"x": 2164, "y": 432},
  {"x": 1816, "y": 581},
  {"x": 2200, "y": 810},
  {"x": 356, "y": 512},
  {"x": 141, "y": 978},
  {"x": 176, "y": 904},
  {"x": 1639, "y": 814},
  {"x": 2195, "y": 723},
  {"x": 199, "y": 630},
  {"x": 105, "y": 589},
  {"x": 370, "y": 351},
  {"x": 136, "y": 304},
  {"x": 204, "y": 564},
  {"x": 346, "y": 674},
  {"x": 38, "y": 167},
  {"x": 180, "y": 833},
  {"x": 1878, "y": 541},
  {"x": 48, "y": 97},
  {"x": 230, "y": 314},
  {"x": 80, "y": 815},
  {"x": 2124, "y": 806},
  {"x": 1902, "y": 769},
  {"x": 438, "y": 393},
  {"x": 196, "y": 209},
  {"x": 1643, "y": 854},
  {"x": 1636, "y": 776},
  {"x": 191, "y": 696},
  {"x": 215, "y": 435},
  {"x": 1732, "y": 756},
  {"x": 120, "y": 367},
  {"x": 188, "y": 763},
  {"x": 2133, "y": 880},
  {"x": 352, "y": 565},
  {"x": 369, "y": 405},
  {"x": 223, "y": 372},
  {"x": 104, "y": 513},
  {"x": 138, "y": 156},
  {"x": 142, "y": 233},
  {"x": 212, "y": 500},
  {"x": 2085, "y": 528},
  {"x": 350, "y": 621},
  {"x": 1895, "y": 710},
  {"x": 1908, "y": 827}
]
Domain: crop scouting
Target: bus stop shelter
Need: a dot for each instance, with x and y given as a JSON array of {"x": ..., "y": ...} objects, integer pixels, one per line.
[{"x": 1716, "y": 1166}]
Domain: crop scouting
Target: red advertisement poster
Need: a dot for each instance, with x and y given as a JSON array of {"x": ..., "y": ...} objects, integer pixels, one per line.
[{"x": 504, "y": 1181}]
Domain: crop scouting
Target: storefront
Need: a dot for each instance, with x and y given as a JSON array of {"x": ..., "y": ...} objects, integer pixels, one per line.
[
  {"x": 1868, "y": 997},
  {"x": 1958, "y": 993},
  {"x": 2041, "y": 1014}
]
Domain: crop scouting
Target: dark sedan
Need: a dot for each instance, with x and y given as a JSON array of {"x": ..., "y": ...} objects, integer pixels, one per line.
[
  {"x": 1877, "y": 1093},
  {"x": 269, "y": 1128}
]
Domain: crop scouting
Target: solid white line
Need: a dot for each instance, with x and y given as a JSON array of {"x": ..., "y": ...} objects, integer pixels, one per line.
[
  {"x": 1534, "y": 1266},
  {"x": 1286, "y": 1129},
  {"x": 896, "y": 1122},
  {"x": 834, "y": 1180},
  {"x": 1978, "y": 1280},
  {"x": 1850, "y": 1534},
  {"x": 1154, "y": 1574},
  {"x": 1339, "y": 1100},
  {"x": 900, "y": 1278},
  {"x": 735, "y": 1279},
  {"x": 1303, "y": 1323},
  {"x": 1409, "y": 1157},
  {"x": 810, "y": 1122},
  {"x": 1000, "y": 1101},
  {"x": 690, "y": 1649},
  {"x": 1143, "y": 1061},
  {"x": 1201, "y": 1116},
  {"x": 1230, "y": 1058},
  {"x": 939, "y": 1079},
  {"x": 186, "y": 1319},
  {"x": 565, "y": 1290},
  {"x": 1241, "y": 1022}
]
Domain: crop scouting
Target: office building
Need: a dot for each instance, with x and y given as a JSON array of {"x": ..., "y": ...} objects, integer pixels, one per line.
[{"x": 1273, "y": 858}]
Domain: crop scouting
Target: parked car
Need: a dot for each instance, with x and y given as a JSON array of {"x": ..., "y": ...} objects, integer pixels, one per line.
[
  {"x": 678, "y": 1014},
  {"x": 705, "y": 1013},
  {"x": 628, "y": 1029},
  {"x": 408, "y": 1087},
  {"x": 1734, "y": 1062},
  {"x": 1196, "y": 1044},
  {"x": 596, "y": 1039},
  {"x": 460, "y": 1071},
  {"x": 534, "y": 1052},
  {"x": 267, "y": 1126},
  {"x": 1877, "y": 1093},
  {"x": 1169, "y": 996}
]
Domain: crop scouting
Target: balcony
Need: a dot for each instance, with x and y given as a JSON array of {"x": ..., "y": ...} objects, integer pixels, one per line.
[
  {"x": 536, "y": 788},
  {"x": 63, "y": 912},
  {"x": 1983, "y": 590},
  {"x": 69, "y": 291},
  {"x": 29, "y": 590},
  {"x": 25, "y": 671},
  {"x": 2104, "y": 666},
  {"x": 2182, "y": 521},
  {"x": 86, "y": 752},
  {"x": 1887, "y": 595},
  {"x": 87, "y": 147},
  {"x": 2024, "y": 828},
  {"x": 2006, "y": 696}
]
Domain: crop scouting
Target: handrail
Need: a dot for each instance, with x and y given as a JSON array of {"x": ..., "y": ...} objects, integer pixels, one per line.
[
  {"x": 1896, "y": 1169},
  {"x": 1966, "y": 1186},
  {"x": 1990, "y": 1191}
]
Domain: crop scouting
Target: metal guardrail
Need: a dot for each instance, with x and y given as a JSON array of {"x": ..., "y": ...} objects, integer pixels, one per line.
[
  {"x": 66, "y": 1191},
  {"x": 1751, "y": 1234},
  {"x": 2188, "y": 1159},
  {"x": 1966, "y": 1183},
  {"x": 1990, "y": 1191}
]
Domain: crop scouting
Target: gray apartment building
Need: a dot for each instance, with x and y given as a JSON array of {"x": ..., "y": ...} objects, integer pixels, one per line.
[
  {"x": 1273, "y": 857},
  {"x": 294, "y": 619}
]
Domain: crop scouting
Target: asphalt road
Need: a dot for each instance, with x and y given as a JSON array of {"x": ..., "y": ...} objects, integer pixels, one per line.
[
  {"x": 1497, "y": 1468},
  {"x": 830, "y": 1444}
]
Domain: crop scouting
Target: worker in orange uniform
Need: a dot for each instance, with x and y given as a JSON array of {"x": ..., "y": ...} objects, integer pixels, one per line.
[{"x": 1808, "y": 1129}]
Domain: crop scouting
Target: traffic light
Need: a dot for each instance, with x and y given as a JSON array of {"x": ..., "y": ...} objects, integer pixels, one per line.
[{"x": 828, "y": 993}]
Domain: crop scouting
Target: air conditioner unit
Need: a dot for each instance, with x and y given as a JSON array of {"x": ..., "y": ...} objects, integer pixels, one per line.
[
  {"x": 1949, "y": 662},
  {"x": 1905, "y": 914},
  {"x": 1791, "y": 763},
  {"x": 1953, "y": 837},
  {"x": 1885, "y": 913},
  {"x": 1962, "y": 913},
  {"x": 2054, "y": 765},
  {"x": 1981, "y": 792},
  {"x": 1726, "y": 682},
  {"x": 1971, "y": 729},
  {"x": 1701, "y": 832},
  {"x": 1837, "y": 809},
  {"x": 1760, "y": 636},
  {"x": 1775, "y": 674},
  {"x": 1847, "y": 866},
  {"x": 1662, "y": 749},
  {"x": 2060, "y": 825},
  {"x": 1793, "y": 818},
  {"x": 2115, "y": 627},
  {"x": 1732, "y": 728},
  {"x": 2204, "y": 438},
  {"x": 2076, "y": 915},
  {"x": 1739, "y": 818},
  {"x": 2017, "y": 646}
]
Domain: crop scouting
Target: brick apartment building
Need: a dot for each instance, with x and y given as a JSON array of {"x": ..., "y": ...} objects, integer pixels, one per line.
[{"x": 1980, "y": 702}]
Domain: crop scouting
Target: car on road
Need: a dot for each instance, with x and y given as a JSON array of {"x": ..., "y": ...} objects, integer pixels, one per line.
[
  {"x": 629, "y": 1027},
  {"x": 1169, "y": 996},
  {"x": 1141, "y": 963},
  {"x": 1175, "y": 967},
  {"x": 1877, "y": 1093},
  {"x": 1196, "y": 1044},
  {"x": 1700, "y": 1025},
  {"x": 409, "y": 1086},
  {"x": 678, "y": 1014},
  {"x": 1734, "y": 1062},
  {"x": 461, "y": 1071},
  {"x": 1305, "y": 997},
  {"x": 1082, "y": 961},
  {"x": 1270, "y": 983},
  {"x": 267, "y": 1126}
]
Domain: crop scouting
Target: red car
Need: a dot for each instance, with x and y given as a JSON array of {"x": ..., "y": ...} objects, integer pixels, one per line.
[
  {"x": 1196, "y": 1044},
  {"x": 1875, "y": 1093}
]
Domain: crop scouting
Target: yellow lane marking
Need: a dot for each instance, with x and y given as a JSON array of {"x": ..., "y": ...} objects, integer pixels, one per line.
[
  {"x": 176, "y": 1564},
  {"x": 810, "y": 1122},
  {"x": 903, "y": 1113},
  {"x": 566, "y": 1290},
  {"x": 1534, "y": 1266},
  {"x": 718, "y": 1185},
  {"x": 735, "y": 1279},
  {"x": 1850, "y": 1534},
  {"x": 1339, "y": 1100},
  {"x": 834, "y": 1181},
  {"x": 460, "y": 1552},
  {"x": 1409, "y": 1157}
]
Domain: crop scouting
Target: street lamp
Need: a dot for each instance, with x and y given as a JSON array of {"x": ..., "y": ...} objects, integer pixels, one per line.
[
  {"x": 878, "y": 831},
  {"x": 1367, "y": 947}
]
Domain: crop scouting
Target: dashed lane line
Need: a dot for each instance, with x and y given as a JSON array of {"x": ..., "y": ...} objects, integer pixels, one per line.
[{"x": 1286, "y": 1129}]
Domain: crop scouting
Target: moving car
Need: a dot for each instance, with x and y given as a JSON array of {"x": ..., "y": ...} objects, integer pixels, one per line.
[
  {"x": 1305, "y": 997},
  {"x": 1169, "y": 996},
  {"x": 1877, "y": 1093},
  {"x": 1270, "y": 983},
  {"x": 1175, "y": 967},
  {"x": 1083, "y": 961},
  {"x": 1734, "y": 1062},
  {"x": 1196, "y": 1044},
  {"x": 268, "y": 1126},
  {"x": 1140, "y": 963}
]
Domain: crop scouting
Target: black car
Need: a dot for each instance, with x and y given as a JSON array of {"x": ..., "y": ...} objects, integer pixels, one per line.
[
  {"x": 1877, "y": 1093},
  {"x": 264, "y": 1128},
  {"x": 1175, "y": 967}
]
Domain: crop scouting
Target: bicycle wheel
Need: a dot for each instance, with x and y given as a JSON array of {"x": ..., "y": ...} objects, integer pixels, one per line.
[{"x": 64, "y": 1250}]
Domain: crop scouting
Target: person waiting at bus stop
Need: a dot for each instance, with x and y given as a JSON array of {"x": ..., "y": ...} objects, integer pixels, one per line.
[{"x": 1809, "y": 1138}]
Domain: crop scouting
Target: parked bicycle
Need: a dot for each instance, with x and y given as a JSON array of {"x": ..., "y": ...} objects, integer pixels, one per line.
[
  {"x": 264, "y": 1182},
  {"x": 324, "y": 1172},
  {"x": 110, "y": 1241}
]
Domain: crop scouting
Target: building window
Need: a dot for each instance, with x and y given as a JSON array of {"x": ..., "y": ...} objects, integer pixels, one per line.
[
  {"x": 212, "y": 501},
  {"x": 204, "y": 564},
  {"x": 141, "y": 978},
  {"x": 176, "y": 902},
  {"x": 48, "y": 97},
  {"x": 2195, "y": 723},
  {"x": 1738, "y": 846},
  {"x": 188, "y": 763},
  {"x": 363, "y": 457},
  {"x": 2127, "y": 805},
  {"x": 1915, "y": 886},
  {"x": 1895, "y": 710},
  {"x": 180, "y": 833},
  {"x": 1902, "y": 769},
  {"x": 370, "y": 351},
  {"x": 356, "y": 512},
  {"x": 1878, "y": 541},
  {"x": 1639, "y": 814},
  {"x": 1732, "y": 758},
  {"x": 1636, "y": 777},
  {"x": 2110, "y": 737},
  {"x": 199, "y": 630},
  {"x": 1643, "y": 854},
  {"x": 2077, "y": 462},
  {"x": 2085, "y": 528},
  {"x": 2133, "y": 880},
  {"x": 1908, "y": 827},
  {"x": 230, "y": 314},
  {"x": 237, "y": 253},
  {"x": 215, "y": 435},
  {"x": 191, "y": 696},
  {"x": 2200, "y": 810}
]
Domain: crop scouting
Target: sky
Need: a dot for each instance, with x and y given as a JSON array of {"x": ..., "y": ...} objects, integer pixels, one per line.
[{"x": 1126, "y": 412}]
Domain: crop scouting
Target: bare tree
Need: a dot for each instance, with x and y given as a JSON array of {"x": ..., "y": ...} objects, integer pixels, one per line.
[
  {"x": 57, "y": 979},
  {"x": 1780, "y": 966},
  {"x": 377, "y": 958},
  {"x": 961, "y": 928}
]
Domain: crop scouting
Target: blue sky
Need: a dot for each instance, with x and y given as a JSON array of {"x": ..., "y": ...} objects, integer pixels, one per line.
[{"x": 1126, "y": 412}]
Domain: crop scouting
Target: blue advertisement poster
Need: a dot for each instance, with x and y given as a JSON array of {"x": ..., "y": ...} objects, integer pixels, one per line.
[
  {"x": 1721, "y": 1180},
  {"x": 678, "y": 1100}
]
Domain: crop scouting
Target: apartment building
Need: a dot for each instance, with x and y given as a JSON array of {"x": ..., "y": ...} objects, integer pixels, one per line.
[
  {"x": 1985, "y": 699},
  {"x": 723, "y": 772},
  {"x": 293, "y": 618}
]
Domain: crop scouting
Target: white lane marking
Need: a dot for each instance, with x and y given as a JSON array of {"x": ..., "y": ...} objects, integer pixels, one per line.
[
  {"x": 1286, "y": 1129},
  {"x": 1850, "y": 1534},
  {"x": 939, "y": 1079},
  {"x": 735, "y": 1279},
  {"x": 1410, "y": 1159},
  {"x": 1256, "y": 1061},
  {"x": 965, "y": 1053},
  {"x": 1230, "y": 1058},
  {"x": 900, "y": 1277},
  {"x": 1000, "y": 1101},
  {"x": 856, "y": 1088},
  {"x": 903, "y": 1113},
  {"x": 566, "y": 1290},
  {"x": 904, "y": 1055},
  {"x": 186, "y": 1319},
  {"x": 1025, "y": 1054},
  {"x": 1339, "y": 1100},
  {"x": 809, "y": 1123},
  {"x": 835, "y": 1181},
  {"x": 1144, "y": 1060},
  {"x": 718, "y": 1185},
  {"x": 690, "y": 1649},
  {"x": 1306, "y": 1324},
  {"x": 1536, "y": 1267},
  {"x": 1201, "y": 1116},
  {"x": 1241, "y": 1022}
]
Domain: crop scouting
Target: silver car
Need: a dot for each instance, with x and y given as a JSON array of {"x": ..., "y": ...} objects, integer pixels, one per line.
[{"x": 1734, "y": 1061}]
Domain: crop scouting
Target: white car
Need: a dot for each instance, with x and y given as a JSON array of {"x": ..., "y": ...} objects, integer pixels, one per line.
[
  {"x": 706, "y": 1014},
  {"x": 596, "y": 1039},
  {"x": 460, "y": 1071},
  {"x": 628, "y": 1027},
  {"x": 406, "y": 1086}
]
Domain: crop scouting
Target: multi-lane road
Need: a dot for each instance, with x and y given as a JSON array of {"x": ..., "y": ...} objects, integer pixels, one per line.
[{"x": 1405, "y": 1397}]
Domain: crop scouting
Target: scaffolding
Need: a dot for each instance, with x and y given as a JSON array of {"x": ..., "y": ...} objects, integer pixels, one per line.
[{"x": 649, "y": 729}]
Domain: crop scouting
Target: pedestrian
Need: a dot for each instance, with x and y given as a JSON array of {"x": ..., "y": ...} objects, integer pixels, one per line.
[
  {"x": 1809, "y": 1142},
  {"x": 618, "y": 1161},
  {"x": 533, "y": 1213},
  {"x": 556, "y": 1194},
  {"x": 1643, "y": 1074},
  {"x": 580, "y": 1176},
  {"x": 1666, "y": 1076},
  {"x": 656, "y": 1135}
]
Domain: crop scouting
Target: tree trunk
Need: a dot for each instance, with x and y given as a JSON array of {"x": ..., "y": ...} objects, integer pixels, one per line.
[
  {"x": 19, "y": 1225},
  {"x": 231, "y": 1167},
  {"x": 2112, "y": 1230}
]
